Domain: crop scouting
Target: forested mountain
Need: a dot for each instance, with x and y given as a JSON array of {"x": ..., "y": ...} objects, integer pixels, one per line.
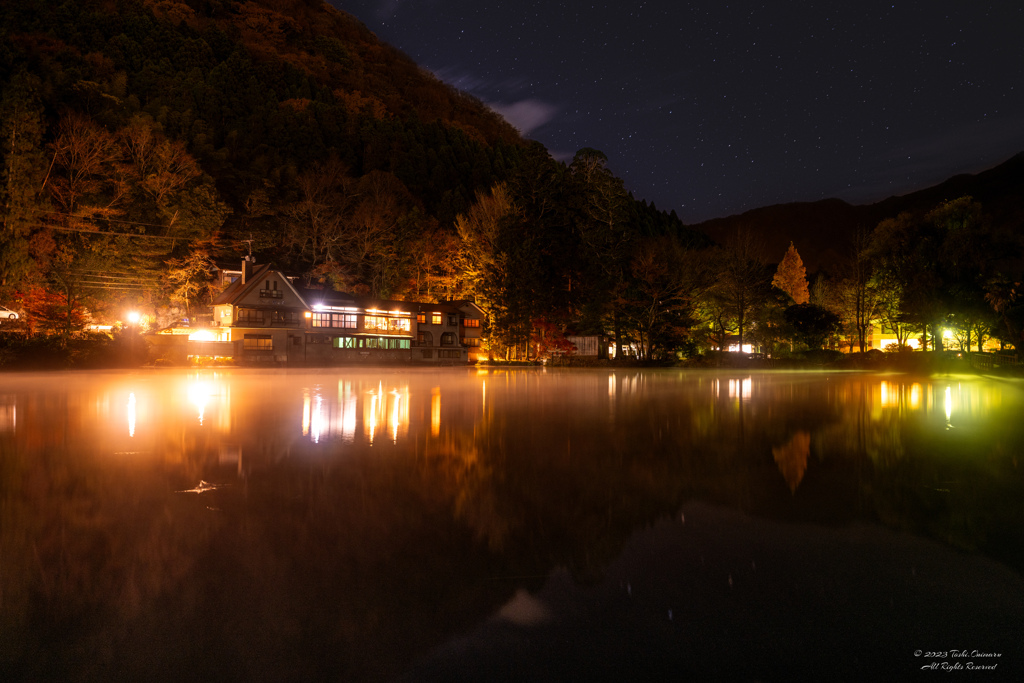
[
  {"x": 825, "y": 230},
  {"x": 145, "y": 138},
  {"x": 142, "y": 140}
]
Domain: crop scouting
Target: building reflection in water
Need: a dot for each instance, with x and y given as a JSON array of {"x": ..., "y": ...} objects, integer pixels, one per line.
[
  {"x": 131, "y": 414},
  {"x": 384, "y": 410},
  {"x": 967, "y": 401},
  {"x": 193, "y": 418}
]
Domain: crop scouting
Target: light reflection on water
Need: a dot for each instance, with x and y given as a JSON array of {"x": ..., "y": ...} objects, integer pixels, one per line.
[
  {"x": 163, "y": 414},
  {"x": 364, "y": 478}
]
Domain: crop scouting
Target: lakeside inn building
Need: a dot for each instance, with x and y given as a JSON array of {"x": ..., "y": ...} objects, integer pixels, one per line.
[{"x": 263, "y": 318}]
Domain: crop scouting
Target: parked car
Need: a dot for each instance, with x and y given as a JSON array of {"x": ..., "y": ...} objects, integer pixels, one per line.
[{"x": 8, "y": 314}]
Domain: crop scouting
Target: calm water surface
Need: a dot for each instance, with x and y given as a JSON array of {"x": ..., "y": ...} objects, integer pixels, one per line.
[{"x": 519, "y": 525}]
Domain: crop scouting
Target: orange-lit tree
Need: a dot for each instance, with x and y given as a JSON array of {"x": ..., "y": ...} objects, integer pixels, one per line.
[{"x": 791, "y": 276}]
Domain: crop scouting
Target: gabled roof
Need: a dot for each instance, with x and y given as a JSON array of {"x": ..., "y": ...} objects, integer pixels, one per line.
[
  {"x": 236, "y": 291},
  {"x": 465, "y": 304},
  {"x": 441, "y": 306}
]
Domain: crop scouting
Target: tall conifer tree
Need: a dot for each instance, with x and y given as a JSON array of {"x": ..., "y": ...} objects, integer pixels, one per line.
[{"x": 791, "y": 277}]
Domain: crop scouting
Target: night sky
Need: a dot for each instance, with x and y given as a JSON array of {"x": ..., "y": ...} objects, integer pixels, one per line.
[{"x": 711, "y": 108}]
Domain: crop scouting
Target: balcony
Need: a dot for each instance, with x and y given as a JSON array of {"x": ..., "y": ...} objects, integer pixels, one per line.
[
  {"x": 267, "y": 322},
  {"x": 271, "y": 293}
]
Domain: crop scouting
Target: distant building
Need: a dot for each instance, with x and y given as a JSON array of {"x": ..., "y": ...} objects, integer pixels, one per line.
[
  {"x": 261, "y": 318},
  {"x": 261, "y": 315},
  {"x": 343, "y": 329},
  {"x": 442, "y": 331}
]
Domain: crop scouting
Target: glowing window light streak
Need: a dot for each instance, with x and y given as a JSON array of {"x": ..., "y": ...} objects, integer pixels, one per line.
[
  {"x": 131, "y": 414},
  {"x": 305, "y": 412},
  {"x": 348, "y": 399},
  {"x": 199, "y": 394},
  {"x": 949, "y": 404},
  {"x": 915, "y": 396},
  {"x": 435, "y": 411},
  {"x": 374, "y": 402},
  {"x": 395, "y": 415},
  {"x": 741, "y": 388},
  {"x": 316, "y": 419}
]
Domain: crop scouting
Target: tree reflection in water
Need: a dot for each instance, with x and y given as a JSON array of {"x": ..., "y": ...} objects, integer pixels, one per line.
[{"x": 293, "y": 525}]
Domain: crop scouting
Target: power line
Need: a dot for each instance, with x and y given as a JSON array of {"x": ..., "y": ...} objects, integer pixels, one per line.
[
  {"x": 108, "y": 220},
  {"x": 122, "y": 234}
]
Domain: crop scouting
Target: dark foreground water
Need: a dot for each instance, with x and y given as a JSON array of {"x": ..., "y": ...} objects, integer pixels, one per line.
[{"x": 522, "y": 525}]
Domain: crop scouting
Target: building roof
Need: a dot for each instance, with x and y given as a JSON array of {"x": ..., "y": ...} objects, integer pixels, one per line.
[{"x": 238, "y": 289}]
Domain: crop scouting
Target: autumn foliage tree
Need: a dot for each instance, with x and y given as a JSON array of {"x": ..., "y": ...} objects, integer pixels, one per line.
[{"x": 791, "y": 276}]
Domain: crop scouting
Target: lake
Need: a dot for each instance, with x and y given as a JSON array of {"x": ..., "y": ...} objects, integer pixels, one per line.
[{"x": 509, "y": 524}]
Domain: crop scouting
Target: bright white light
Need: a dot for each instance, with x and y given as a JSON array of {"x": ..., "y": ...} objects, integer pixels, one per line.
[
  {"x": 133, "y": 317},
  {"x": 131, "y": 414},
  {"x": 199, "y": 394},
  {"x": 740, "y": 388}
]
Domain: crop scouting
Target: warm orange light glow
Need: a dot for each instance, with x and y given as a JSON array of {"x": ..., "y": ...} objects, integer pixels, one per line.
[
  {"x": 740, "y": 388},
  {"x": 306, "y": 405},
  {"x": 199, "y": 393},
  {"x": 131, "y": 414},
  {"x": 435, "y": 411},
  {"x": 915, "y": 396},
  {"x": 202, "y": 335}
]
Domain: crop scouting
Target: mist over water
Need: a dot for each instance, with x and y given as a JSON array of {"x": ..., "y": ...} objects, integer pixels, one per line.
[{"x": 445, "y": 524}]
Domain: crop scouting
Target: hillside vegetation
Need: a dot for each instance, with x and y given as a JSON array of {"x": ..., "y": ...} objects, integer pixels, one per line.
[{"x": 143, "y": 141}]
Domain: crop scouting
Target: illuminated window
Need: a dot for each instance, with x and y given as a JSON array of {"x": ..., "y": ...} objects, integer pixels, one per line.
[
  {"x": 383, "y": 343},
  {"x": 375, "y": 322},
  {"x": 471, "y": 341},
  {"x": 321, "y": 320},
  {"x": 387, "y": 324},
  {"x": 344, "y": 342},
  {"x": 435, "y": 318},
  {"x": 344, "y": 320},
  {"x": 421, "y": 317},
  {"x": 470, "y": 322},
  {"x": 258, "y": 342}
]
